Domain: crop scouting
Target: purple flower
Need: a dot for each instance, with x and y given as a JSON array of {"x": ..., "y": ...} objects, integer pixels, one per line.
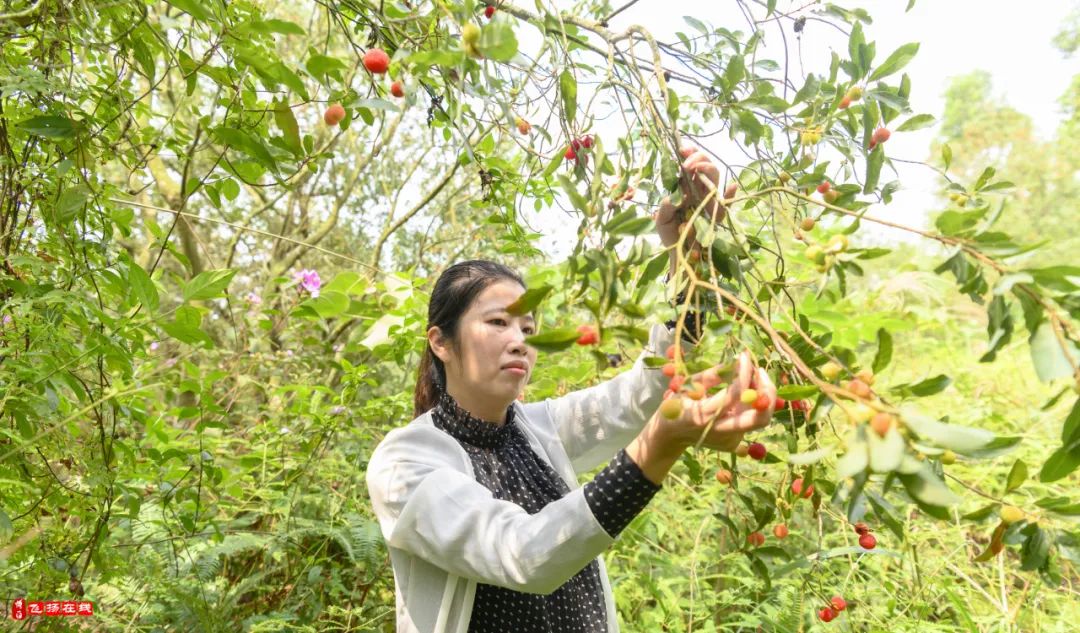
[
  {"x": 309, "y": 279},
  {"x": 253, "y": 298},
  {"x": 153, "y": 346},
  {"x": 170, "y": 362},
  {"x": 7, "y": 319},
  {"x": 337, "y": 410}
]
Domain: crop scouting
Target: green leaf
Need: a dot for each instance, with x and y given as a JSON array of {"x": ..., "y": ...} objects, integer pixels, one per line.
[
  {"x": 873, "y": 168},
  {"x": 185, "y": 326},
  {"x": 208, "y": 284},
  {"x": 554, "y": 340},
  {"x": 985, "y": 177},
  {"x": 6, "y": 528},
  {"x": 241, "y": 140},
  {"x": 143, "y": 287},
  {"x": 1049, "y": 357},
  {"x": 1061, "y": 463},
  {"x": 917, "y": 122},
  {"x": 961, "y": 439},
  {"x": 1060, "y": 505},
  {"x": 925, "y": 486},
  {"x": 497, "y": 41},
  {"x": 796, "y": 392},
  {"x": 321, "y": 66},
  {"x": 896, "y": 61},
  {"x": 1060, "y": 278},
  {"x": 1033, "y": 554},
  {"x": 568, "y": 91},
  {"x": 669, "y": 173},
  {"x": 529, "y": 300},
  {"x": 927, "y": 387},
  {"x": 191, "y": 7},
  {"x": 329, "y": 303},
  {"x": 50, "y": 126},
  {"x": 1070, "y": 431},
  {"x": 1017, "y": 474},
  {"x": 884, "y": 351},
  {"x": 283, "y": 27},
  {"x": 946, "y": 155},
  {"x": 286, "y": 122}
]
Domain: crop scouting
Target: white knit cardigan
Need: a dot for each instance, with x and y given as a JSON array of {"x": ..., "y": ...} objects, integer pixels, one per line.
[{"x": 446, "y": 532}]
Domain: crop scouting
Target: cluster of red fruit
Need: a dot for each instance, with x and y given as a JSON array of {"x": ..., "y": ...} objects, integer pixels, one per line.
[
  {"x": 576, "y": 145},
  {"x": 866, "y": 539},
  {"x": 835, "y": 606},
  {"x": 377, "y": 62},
  {"x": 489, "y": 11}
]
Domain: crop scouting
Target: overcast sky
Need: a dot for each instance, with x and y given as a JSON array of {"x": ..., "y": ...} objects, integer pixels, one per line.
[{"x": 955, "y": 36}]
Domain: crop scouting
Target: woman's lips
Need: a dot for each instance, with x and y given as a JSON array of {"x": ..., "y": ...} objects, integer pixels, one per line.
[{"x": 515, "y": 370}]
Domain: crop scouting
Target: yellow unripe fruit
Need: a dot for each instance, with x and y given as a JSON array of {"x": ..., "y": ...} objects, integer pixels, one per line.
[
  {"x": 838, "y": 243},
  {"x": 860, "y": 412},
  {"x": 748, "y": 396},
  {"x": 1011, "y": 514},
  {"x": 948, "y": 458},
  {"x": 671, "y": 408},
  {"x": 831, "y": 370}
]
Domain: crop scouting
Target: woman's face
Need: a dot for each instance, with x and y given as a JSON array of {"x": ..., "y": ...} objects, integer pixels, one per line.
[{"x": 490, "y": 339}]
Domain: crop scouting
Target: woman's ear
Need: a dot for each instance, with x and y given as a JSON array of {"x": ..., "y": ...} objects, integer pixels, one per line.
[{"x": 438, "y": 343}]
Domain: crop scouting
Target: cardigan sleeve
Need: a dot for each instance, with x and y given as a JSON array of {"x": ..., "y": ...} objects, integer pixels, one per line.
[
  {"x": 595, "y": 422},
  {"x": 430, "y": 508}
]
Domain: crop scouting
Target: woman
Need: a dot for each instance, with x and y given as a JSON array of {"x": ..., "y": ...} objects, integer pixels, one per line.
[{"x": 478, "y": 498}]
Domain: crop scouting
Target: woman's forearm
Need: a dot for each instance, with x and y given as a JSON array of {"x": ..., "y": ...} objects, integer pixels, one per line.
[{"x": 655, "y": 450}]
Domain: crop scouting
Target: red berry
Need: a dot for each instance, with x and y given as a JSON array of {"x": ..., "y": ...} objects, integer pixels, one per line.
[
  {"x": 397, "y": 89},
  {"x": 757, "y": 451},
  {"x": 668, "y": 369},
  {"x": 827, "y": 614},
  {"x": 670, "y": 352},
  {"x": 586, "y": 141},
  {"x": 780, "y": 531},
  {"x": 781, "y": 404},
  {"x": 676, "y": 382},
  {"x": 862, "y": 528},
  {"x": 880, "y": 135},
  {"x": 376, "y": 61},
  {"x": 570, "y": 153},
  {"x": 762, "y": 402},
  {"x": 588, "y": 335},
  {"x": 334, "y": 114},
  {"x": 723, "y": 476},
  {"x": 844, "y": 102},
  {"x": 797, "y": 488},
  {"x": 757, "y": 539},
  {"x": 576, "y": 144},
  {"x": 489, "y": 11},
  {"x": 867, "y": 541},
  {"x": 823, "y": 187},
  {"x": 838, "y": 603}
]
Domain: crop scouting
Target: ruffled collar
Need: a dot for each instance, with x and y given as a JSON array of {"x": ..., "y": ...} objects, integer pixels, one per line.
[{"x": 450, "y": 417}]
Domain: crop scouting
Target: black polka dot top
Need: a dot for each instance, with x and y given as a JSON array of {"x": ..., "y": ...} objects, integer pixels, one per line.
[{"x": 505, "y": 463}]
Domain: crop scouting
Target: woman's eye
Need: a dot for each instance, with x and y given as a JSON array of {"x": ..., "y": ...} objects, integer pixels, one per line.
[{"x": 530, "y": 330}]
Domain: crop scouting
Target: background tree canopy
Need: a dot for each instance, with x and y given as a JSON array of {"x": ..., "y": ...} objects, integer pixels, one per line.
[{"x": 214, "y": 301}]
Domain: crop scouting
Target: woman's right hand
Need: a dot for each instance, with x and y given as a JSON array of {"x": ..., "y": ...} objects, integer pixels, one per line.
[{"x": 732, "y": 417}]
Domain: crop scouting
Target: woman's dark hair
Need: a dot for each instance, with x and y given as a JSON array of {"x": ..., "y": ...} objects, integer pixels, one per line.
[{"x": 453, "y": 294}]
